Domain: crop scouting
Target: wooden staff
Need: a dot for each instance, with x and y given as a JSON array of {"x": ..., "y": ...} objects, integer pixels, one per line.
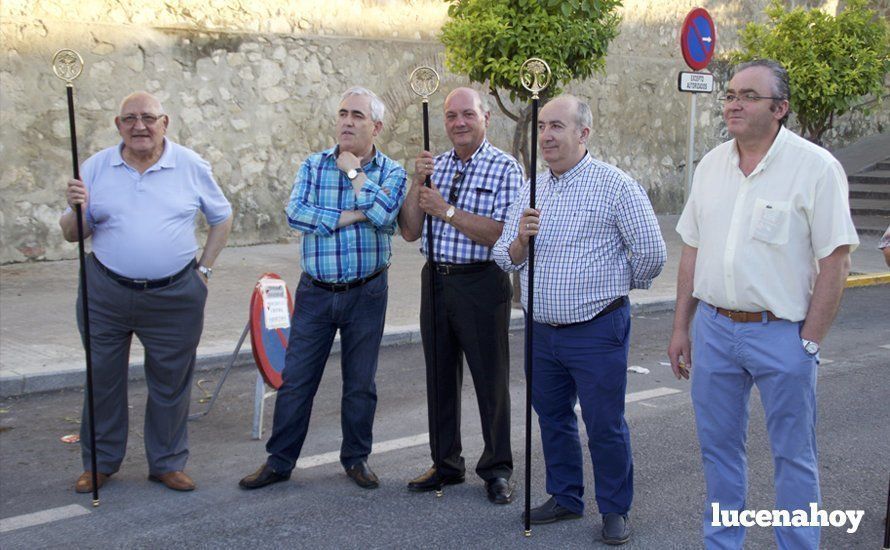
[
  {"x": 535, "y": 77},
  {"x": 424, "y": 82},
  {"x": 67, "y": 65}
]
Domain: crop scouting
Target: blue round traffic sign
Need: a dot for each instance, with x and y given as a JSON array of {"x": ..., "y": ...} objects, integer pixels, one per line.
[{"x": 698, "y": 39}]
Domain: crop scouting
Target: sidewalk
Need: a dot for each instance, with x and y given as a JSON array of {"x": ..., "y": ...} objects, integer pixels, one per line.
[{"x": 40, "y": 348}]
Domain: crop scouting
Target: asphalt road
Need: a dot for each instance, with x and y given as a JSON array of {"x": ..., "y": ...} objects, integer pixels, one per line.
[{"x": 321, "y": 508}]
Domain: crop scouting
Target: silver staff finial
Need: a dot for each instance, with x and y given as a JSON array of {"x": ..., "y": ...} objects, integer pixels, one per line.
[
  {"x": 534, "y": 75},
  {"x": 67, "y": 64},
  {"x": 424, "y": 81}
]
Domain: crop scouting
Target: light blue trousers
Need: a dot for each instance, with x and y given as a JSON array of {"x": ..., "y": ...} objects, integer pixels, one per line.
[{"x": 728, "y": 357}]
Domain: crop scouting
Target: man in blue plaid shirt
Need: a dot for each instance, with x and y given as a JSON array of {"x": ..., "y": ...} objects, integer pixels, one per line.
[
  {"x": 473, "y": 185},
  {"x": 345, "y": 201},
  {"x": 597, "y": 238}
]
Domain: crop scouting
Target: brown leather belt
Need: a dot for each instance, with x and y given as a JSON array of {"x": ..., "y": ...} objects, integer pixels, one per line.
[{"x": 746, "y": 316}]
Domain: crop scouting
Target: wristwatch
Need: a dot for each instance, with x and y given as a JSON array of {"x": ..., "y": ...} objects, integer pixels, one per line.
[
  {"x": 354, "y": 172},
  {"x": 809, "y": 346},
  {"x": 449, "y": 214},
  {"x": 205, "y": 271}
]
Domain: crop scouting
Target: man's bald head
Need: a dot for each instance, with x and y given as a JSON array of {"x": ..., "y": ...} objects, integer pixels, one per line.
[
  {"x": 466, "y": 119},
  {"x": 144, "y": 98}
]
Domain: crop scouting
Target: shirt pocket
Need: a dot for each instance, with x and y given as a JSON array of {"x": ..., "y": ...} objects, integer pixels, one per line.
[
  {"x": 771, "y": 221},
  {"x": 479, "y": 200}
]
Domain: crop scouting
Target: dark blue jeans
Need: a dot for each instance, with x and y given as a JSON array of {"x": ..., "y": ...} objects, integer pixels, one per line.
[
  {"x": 588, "y": 362},
  {"x": 358, "y": 314}
]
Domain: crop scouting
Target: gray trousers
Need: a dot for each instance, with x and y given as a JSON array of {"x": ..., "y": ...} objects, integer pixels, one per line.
[{"x": 168, "y": 322}]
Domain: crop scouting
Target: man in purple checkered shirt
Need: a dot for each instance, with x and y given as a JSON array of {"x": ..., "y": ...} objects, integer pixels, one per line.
[
  {"x": 473, "y": 184},
  {"x": 597, "y": 238}
]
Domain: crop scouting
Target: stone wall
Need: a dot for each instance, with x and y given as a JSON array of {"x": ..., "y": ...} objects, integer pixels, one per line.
[{"x": 253, "y": 88}]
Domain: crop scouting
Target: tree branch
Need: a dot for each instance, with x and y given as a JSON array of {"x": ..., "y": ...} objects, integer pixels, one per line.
[{"x": 493, "y": 91}]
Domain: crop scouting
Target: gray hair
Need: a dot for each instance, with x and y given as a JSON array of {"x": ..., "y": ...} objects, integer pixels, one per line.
[
  {"x": 378, "y": 109},
  {"x": 583, "y": 116},
  {"x": 781, "y": 85},
  {"x": 137, "y": 94}
]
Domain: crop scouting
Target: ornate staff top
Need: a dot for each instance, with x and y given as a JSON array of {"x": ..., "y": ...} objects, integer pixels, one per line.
[
  {"x": 424, "y": 81},
  {"x": 534, "y": 75},
  {"x": 67, "y": 64}
]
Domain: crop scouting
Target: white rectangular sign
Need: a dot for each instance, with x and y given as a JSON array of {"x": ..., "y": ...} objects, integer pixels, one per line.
[
  {"x": 700, "y": 83},
  {"x": 275, "y": 307}
]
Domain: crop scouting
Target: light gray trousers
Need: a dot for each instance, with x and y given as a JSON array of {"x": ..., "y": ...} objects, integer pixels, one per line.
[{"x": 168, "y": 322}]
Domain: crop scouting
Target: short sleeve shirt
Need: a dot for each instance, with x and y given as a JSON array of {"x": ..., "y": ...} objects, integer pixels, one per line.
[
  {"x": 759, "y": 237},
  {"x": 144, "y": 224}
]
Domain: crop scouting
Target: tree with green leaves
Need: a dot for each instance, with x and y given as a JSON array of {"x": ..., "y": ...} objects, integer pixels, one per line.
[
  {"x": 488, "y": 40},
  {"x": 832, "y": 61}
]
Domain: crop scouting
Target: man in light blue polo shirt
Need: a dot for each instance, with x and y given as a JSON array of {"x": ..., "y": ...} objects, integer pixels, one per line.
[{"x": 139, "y": 200}]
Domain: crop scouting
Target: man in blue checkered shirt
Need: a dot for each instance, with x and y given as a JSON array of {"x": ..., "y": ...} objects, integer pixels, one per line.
[
  {"x": 345, "y": 201},
  {"x": 473, "y": 184},
  {"x": 597, "y": 238}
]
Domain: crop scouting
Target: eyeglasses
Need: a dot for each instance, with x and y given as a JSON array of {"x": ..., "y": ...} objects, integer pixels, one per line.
[
  {"x": 746, "y": 98},
  {"x": 147, "y": 119},
  {"x": 455, "y": 187}
]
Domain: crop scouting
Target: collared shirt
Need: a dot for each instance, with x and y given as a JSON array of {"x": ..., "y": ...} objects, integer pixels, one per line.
[
  {"x": 759, "y": 237},
  {"x": 322, "y": 192},
  {"x": 599, "y": 238},
  {"x": 144, "y": 224},
  {"x": 491, "y": 179}
]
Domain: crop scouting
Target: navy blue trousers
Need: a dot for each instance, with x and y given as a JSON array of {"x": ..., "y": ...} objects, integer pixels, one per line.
[
  {"x": 586, "y": 363},
  {"x": 358, "y": 314}
]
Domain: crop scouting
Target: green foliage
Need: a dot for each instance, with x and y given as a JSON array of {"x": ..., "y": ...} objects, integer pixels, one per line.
[
  {"x": 831, "y": 61},
  {"x": 488, "y": 40}
]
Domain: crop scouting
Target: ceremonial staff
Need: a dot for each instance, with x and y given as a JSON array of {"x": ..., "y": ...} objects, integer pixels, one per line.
[
  {"x": 67, "y": 65},
  {"x": 535, "y": 76},
  {"x": 425, "y": 82}
]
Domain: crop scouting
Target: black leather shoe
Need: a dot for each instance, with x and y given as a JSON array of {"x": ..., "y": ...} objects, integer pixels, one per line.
[
  {"x": 262, "y": 477},
  {"x": 549, "y": 512},
  {"x": 499, "y": 490},
  {"x": 430, "y": 481},
  {"x": 616, "y": 529},
  {"x": 362, "y": 475}
]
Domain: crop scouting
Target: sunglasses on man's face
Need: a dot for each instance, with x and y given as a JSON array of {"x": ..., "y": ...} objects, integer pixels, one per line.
[{"x": 455, "y": 187}]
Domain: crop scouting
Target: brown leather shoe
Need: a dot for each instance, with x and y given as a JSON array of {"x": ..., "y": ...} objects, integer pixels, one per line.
[
  {"x": 178, "y": 481},
  {"x": 84, "y": 483}
]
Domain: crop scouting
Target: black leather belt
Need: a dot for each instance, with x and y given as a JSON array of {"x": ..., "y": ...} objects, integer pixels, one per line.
[
  {"x": 615, "y": 304},
  {"x": 146, "y": 284},
  {"x": 343, "y": 287},
  {"x": 461, "y": 269}
]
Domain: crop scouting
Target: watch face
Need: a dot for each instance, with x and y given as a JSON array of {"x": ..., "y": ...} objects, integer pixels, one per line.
[
  {"x": 352, "y": 174},
  {"x": 811, "y": 347}
]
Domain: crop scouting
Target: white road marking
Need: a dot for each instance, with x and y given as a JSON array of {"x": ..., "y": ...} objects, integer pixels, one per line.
[
  {"x": 382, "y": 447},
  {"x": 886, "y": 346},
  {"x": 44, "y": 516},
  {"x": 641, "y": 395},
  {"x": 333, "y": 457}
]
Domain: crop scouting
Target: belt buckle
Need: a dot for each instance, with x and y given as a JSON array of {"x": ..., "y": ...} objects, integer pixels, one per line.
[
  {"x": 339, "y": 287},
  {"x": 142, "y": 284},
  {"x": 444, "y": 269},
  {"x": 729, "y": 313}
]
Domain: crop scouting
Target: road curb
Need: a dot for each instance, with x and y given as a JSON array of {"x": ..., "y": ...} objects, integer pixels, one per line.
[
  {"x": 15, "y": 385},
  {"x": 868, "y": 279}
]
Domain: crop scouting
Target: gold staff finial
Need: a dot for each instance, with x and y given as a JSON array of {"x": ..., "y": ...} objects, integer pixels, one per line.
[
  {"x": 534, "y": 75},
  {"x": 424, "y": 82},
  {"x": 67, "y": 64}
]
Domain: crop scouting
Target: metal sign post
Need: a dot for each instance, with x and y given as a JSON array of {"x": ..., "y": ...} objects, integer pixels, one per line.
[{"x": 698, "y": 40}]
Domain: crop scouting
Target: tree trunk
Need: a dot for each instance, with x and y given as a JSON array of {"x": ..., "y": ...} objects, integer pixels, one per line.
[{"x": 521, "y": 138}]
